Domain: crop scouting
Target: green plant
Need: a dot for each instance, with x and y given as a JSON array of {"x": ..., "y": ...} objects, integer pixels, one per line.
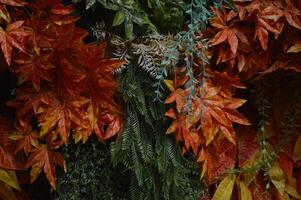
[{"x": 91, "y": 174}]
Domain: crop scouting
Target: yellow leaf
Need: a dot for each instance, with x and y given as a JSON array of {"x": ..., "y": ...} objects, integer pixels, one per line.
[
  {"x": 277, "y": 176},
  {"x": 297, "y": 150},
  {"x": 6, "y": 193},
  {"x": 204, "y": 169},
  {"x": 35, "y": 171},
  {"x": 291, "y": 188},
  {"x": 77, "y": 136},
  {"x": 284, "y": 197},
  {"x": 9, "y": 178},
  {"x": 169, "y": 84},
  {"x": 245, "y": 193},
  {"x": 295, "y": 48},
  {"x": 91, "y": 116},
  {"x": 47, "y": 124},
  {"x": 173, "y": 127},
  {"x": 225, "y": 188}
]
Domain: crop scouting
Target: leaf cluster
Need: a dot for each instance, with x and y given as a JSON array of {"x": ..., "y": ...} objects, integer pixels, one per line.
[
  {"x": 147, "y": 15},
  {"x": 159, "y": 171},
  {"x": 64, "y": 87},
  {"x": 246, "y": 41}
]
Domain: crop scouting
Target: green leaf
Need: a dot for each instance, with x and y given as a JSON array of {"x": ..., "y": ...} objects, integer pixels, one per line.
[
  {"x": 128, "y": 28},
  {"x": 90, "y": 3},
  {"x": 118, "y": 19}
]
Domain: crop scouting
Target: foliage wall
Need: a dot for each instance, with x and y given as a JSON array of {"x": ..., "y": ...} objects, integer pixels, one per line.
[{"x": 128, "y": 99}]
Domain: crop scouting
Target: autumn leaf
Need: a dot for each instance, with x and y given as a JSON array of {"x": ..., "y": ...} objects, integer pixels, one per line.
[
  {"x": 278, "y": 177},
  {"x": 13, "y": 2},
  {"x": 225, "y": 80},
  {"x": 114, "y": 125},
  {"x": 170, "y": 84},
  {"x": 35, "y": 68},
  {"x": 292, "y": 15},
  {"x": 230, "y": 36},
  {"x": 297, "y": 150},
  {"x": 247, "y": 144},
  {"x": 180, "y": 126},
  {"x": 45, "y": 158},
  {"x": 291, "y": 188},
  {"x": 25, "y": 141},
  {"x": 209, "y": 126},
  {"x": 263, "y": 36},
  {"x": 193, "y": 140},
  {"x": 245, "y": 193},
  {"x": 9, "y": 39},
  {"x": 10, "y": 178},
  {"x": 225, "y": 188},
  {"x": 295, "y": 48},
  {"x": 6, "y": 192},
  {"x": 92, "y": 57},
  {"x": 219, "y": 114},
  {"x": 286, "y": 163},
  {"x": 59, "y": 118},
  {"x": 4, "y": 14},
  {"x": 177, "y": 96},
  {"x": 7, "y": 161},
  {"x": 258, "y": 189},
  {"x": 217, "y": 157}
]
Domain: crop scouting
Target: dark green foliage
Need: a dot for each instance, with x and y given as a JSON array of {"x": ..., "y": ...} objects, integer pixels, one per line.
[
  {"x": 148, "y": 15},
  {"x": 91, "y": 175},
  {"x": 159, "y": 170},
  {"x": 167, "y": 15}
]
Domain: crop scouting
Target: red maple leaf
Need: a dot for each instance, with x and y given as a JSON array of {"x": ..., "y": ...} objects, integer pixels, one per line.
[
  {"x": 218, "y": 113},
  {"x": 10, "y": 37},
  {"x": 45, "y": 158},
  {"x": 59, "y": 117},
  {"x": 217, "y": 157},
  {"x": 177, "y": 96},
  {"x": 7, "y": 159},
  {"x": 34, "y": 68},
  {"x": 26, "y": 140}
]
